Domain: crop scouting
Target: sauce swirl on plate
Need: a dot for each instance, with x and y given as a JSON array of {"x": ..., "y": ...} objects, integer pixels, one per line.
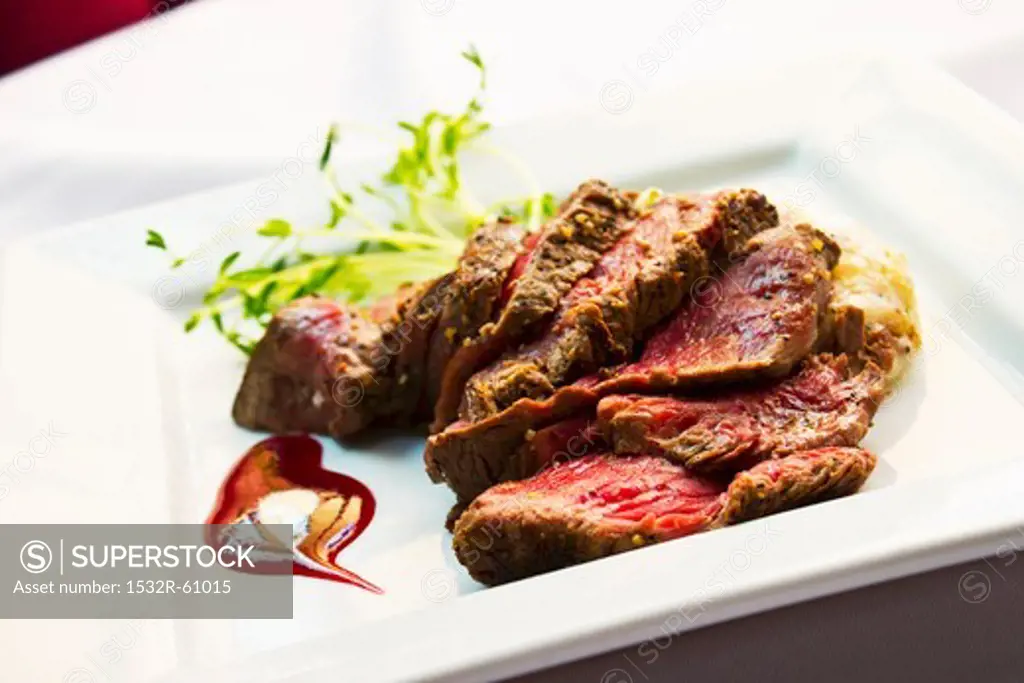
[{"x": 281, "y": 480}]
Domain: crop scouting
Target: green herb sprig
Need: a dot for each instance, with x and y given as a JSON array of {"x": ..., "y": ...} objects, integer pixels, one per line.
[{"x": 431, "y": 215}]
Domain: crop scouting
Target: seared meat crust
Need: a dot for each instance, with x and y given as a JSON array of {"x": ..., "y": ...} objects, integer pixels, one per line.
[
  {"x": 766, "y": 320},
  {"x": 601, "y": 505},
  {"x": 633, "y": 287},
  {"x": 313, "y": 371},
  {"x": 589, "y": 222},
  {"x": 761, "y": 317},
  {"x": 474, "y": 294},
  {"x": 824, "y": 404}
]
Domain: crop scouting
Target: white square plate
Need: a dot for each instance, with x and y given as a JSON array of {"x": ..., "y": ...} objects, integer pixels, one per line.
[{"x": 136, "y": 414}]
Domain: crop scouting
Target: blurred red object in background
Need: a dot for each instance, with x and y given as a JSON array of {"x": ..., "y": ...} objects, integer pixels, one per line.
[{"x": 31, "y": 30}]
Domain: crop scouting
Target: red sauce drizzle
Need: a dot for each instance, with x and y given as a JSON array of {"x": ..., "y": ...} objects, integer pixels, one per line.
[{"x": 283, "y": 463}]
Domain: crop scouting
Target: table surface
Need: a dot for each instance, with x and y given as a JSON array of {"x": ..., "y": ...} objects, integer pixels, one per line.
[{"x": 223, "y": 90}]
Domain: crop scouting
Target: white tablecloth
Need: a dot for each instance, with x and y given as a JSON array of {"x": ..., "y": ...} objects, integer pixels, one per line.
[{"x": 221, "y": 90}]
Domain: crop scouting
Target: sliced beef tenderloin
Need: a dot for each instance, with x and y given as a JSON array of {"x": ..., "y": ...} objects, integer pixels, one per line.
[
  {"x": 757, "y": 319},
  {"x": 474, "y": 294},
  {"x": 473, "y": 456},
  {"x": 579, "y": 511},
  {"x": 781, "y": 277},
  {"x": 562, "y": 441},
  {"x": 331, "y": 368},
  {"x": 601, "y": 505},
  {"x": 405, "y": 342},
  {"x": 799, "y": 479},
  {"x": 633, "y": 286},
  {"x": 529, "y": 454},
  {"x": 590, "y": 221},
  {"x": 314, "y": 370},
  {"x": 824, "y": 404}
]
